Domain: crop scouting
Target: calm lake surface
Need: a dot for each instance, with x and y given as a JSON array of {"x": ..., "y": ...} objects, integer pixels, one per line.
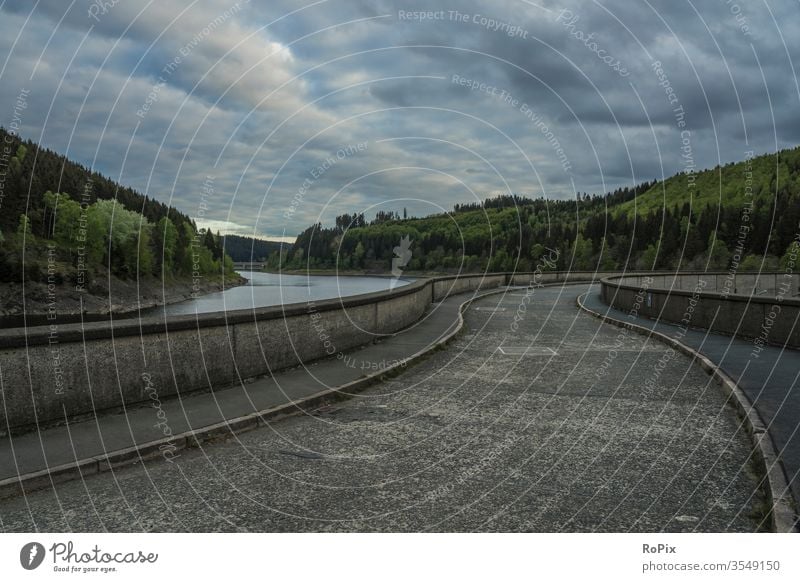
[{"x": 265, "y": 289}]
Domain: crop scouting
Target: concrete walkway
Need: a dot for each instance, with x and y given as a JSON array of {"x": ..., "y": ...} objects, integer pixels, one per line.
[
  {"x": 67, "y": 452},
  {"x": 513, "y": 427},
  {"x": 770, "y": 379}
]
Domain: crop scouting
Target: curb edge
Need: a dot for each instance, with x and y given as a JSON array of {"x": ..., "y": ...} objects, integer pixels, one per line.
[{"x": 783, "y": 518}]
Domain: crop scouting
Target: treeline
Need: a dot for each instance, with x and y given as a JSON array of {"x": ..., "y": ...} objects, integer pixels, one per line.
[
  {"x": 23, "y": 188},
  {"x": 245, "y": 249},
  {"x": 61, "y": 221},
  {"x": 654, "y": 225}
]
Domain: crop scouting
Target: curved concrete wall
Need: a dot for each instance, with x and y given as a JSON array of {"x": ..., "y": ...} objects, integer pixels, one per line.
[
  {"x": 54, "y": 374},
  {"x": 50, "y": 374},
  {"x": 767, "y": 312},
  {"x": 446, "y": 286},
  {"x": 549, "y": 277}
]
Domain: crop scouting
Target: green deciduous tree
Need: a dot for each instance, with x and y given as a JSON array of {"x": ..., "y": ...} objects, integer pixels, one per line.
[
  {"x": 582, "y": 251},
  {"x": 165, "y": 240},
  {"x": 128, "y": 234},
  {"x": 718, "y": 254},
  {"x": 62, "y": 219},
  {"x": 648, "y": 259},
  {"x": 95, "y": 236},
  {"x": 24, "y": 228}
]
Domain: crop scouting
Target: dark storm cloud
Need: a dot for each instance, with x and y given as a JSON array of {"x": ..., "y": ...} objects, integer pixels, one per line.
[{"x": 511, "y": 95}]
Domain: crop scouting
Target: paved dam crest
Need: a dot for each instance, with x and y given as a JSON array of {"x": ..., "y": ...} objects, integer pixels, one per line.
[{"x": 467, "y": 440}]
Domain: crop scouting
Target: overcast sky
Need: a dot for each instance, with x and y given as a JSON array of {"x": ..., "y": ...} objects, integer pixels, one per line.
[{"x": 293, "y": 113}]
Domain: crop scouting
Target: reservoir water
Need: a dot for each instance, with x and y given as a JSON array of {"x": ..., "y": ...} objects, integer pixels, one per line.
[{"x": 266, "y": 289}]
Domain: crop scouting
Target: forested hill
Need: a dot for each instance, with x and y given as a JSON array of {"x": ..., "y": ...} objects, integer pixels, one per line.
[
  {"x": 246, "y": 249},
  {"x": 758, "y": 179},
  {"x": 744, "y": 215},
  {"x": 71, "y": 225},
  {"x": 23, "y": 188}
]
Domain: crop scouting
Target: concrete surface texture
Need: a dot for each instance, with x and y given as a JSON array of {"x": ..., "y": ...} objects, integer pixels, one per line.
[
  {"x": 81, "y": 373},
  {"x": 54, "y": 373},
  {"x": 763, "y": 307},
  {"x": 106, "y": 434},
  {"x": 537, "y": 418},
  {"x": 768, "y": 375},
  {"x": 767, "y": 284}
]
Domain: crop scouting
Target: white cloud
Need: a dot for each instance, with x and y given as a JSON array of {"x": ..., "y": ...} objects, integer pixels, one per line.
[{"x": 211, "y": 115}]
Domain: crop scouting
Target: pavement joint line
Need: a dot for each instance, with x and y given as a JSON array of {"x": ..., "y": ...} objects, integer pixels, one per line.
[
  {"x": 525, "y": 350},
  {"x": 784, "y": 519}
]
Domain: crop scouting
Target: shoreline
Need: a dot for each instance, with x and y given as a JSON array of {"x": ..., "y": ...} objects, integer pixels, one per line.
[
  {"x": 64, "y": 304},
  {"x": 39, "y": 304}
]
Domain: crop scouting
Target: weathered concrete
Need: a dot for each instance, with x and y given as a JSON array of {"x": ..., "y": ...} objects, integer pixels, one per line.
[
  {"x": 727, "y": 283},
  {"x": 100, "y": 366},
  {"x": 75, "y": 371},
  {"x": 762, "y": 383},
  {"x": 709, "y": 301},
  {"x": 55, "y": 454},
  {"x": 444, "y": 286},
  {"x": 503, "y": 431}
]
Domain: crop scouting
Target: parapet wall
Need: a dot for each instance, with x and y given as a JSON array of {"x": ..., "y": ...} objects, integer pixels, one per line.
[
  {"x": 443, "y": 287},
  {"x": 54, "y": 374},
  {"x": 761, "y": 307}
]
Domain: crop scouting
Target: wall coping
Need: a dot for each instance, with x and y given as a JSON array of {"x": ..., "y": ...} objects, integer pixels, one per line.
[
  {"x": 76, "y": 332},
  {"x": 19, "y": 337},
  {"x": 613, "y": 281}
]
